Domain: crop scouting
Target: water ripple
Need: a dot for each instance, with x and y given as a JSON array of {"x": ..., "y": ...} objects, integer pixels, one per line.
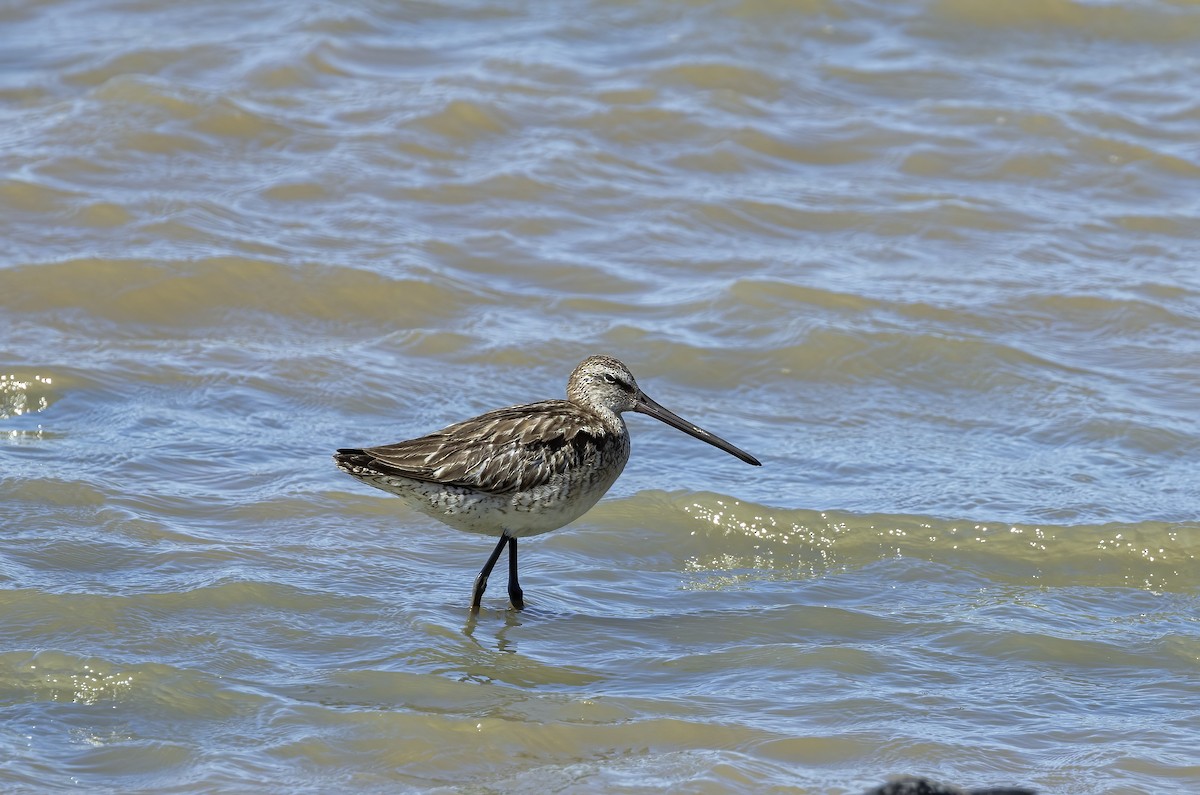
[{"x": 934, "y": 263}]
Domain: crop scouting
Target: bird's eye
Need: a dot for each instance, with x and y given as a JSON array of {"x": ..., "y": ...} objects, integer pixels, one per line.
[{"x": 617, "y": 380}]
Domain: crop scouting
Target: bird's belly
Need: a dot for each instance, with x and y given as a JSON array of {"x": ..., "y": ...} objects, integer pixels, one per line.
[
  {"x": 522, "y": 513},
  {"x": 549, "y": 507}
]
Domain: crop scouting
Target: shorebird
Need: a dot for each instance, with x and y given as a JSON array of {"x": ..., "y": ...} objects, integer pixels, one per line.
[{"x": 523, "y": 470}]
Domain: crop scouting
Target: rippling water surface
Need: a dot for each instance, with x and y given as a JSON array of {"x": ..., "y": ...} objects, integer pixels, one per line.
[{"x": 935, "y": 263}]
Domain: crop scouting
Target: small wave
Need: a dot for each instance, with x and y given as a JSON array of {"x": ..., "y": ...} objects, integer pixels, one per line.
[
  {"x": 1146, "y": 22},
  {"x": 750, "y": 540}
]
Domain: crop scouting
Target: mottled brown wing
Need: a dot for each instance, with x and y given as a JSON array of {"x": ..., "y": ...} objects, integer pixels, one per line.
[{"x": 506, "y": 450}]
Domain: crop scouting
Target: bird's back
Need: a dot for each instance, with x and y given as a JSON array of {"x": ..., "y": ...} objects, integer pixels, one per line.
[{"x": 513, "y": 449}]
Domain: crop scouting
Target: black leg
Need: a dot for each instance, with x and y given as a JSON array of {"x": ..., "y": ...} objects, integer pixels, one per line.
[
  {"x": 515, "y": 594},
  {"x": 481, "y": 580}
]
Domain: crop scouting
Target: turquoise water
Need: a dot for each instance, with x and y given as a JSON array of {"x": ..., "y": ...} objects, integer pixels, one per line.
[{"x": 933, "y": 263}]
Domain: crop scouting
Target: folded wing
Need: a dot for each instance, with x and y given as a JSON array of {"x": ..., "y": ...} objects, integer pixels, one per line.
[{"x": 506, "y": 450}]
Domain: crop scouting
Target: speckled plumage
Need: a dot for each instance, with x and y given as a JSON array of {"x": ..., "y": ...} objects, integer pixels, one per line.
[{"x": 523, "y": 470}]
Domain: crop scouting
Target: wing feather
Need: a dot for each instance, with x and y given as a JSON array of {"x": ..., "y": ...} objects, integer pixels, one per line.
[{"x": 510, "y": 449}]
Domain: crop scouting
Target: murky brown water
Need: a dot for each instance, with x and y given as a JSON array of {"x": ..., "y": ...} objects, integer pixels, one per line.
[{"x": 933, "y": 262}]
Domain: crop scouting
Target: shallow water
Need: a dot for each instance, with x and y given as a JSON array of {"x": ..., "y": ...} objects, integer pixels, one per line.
[{"x": 933, "y": 262}]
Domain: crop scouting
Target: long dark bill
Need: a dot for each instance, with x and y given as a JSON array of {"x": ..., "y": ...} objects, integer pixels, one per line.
[{"x": 647, "y": 406}]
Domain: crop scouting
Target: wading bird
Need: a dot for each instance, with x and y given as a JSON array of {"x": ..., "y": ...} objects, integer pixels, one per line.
[{"x": 523, "y": 470}]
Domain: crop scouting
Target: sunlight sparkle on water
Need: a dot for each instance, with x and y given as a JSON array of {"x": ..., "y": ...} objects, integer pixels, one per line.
[{"x": 15, "y": 399}]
